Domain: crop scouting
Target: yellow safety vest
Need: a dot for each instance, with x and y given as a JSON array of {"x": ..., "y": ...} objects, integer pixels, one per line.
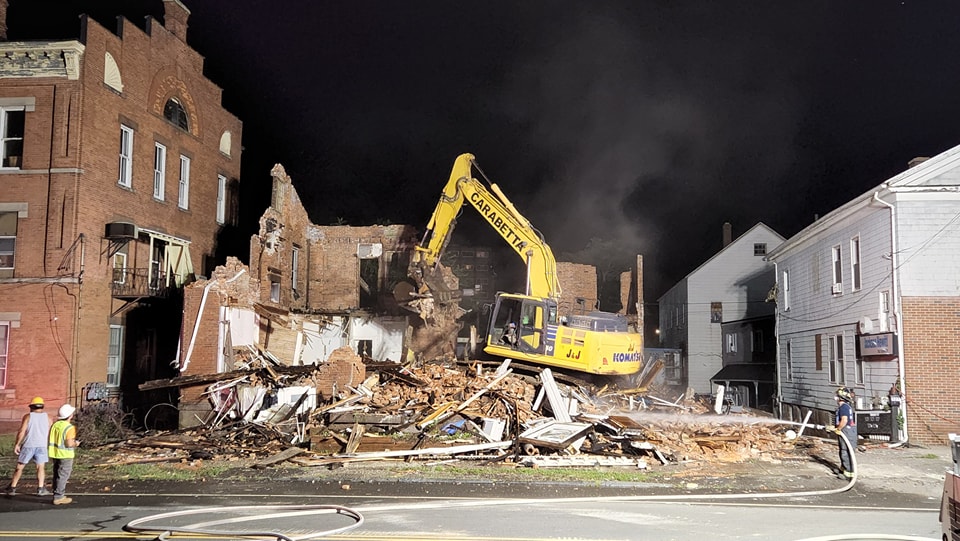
[{"x": 58, "y": 440}]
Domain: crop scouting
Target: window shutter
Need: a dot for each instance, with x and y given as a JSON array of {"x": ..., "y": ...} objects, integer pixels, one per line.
[{"x": 819, "y": 353}]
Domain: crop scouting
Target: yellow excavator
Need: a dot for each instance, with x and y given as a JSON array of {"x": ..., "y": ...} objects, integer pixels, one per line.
[{"x": 525, "y": 327}]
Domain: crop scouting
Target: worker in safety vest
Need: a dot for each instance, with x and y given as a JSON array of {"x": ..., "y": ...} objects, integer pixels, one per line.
[{"x": 63, "y": 441}]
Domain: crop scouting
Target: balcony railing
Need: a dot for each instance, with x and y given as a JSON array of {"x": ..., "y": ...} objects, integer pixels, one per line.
[{"x": 133, "y": 283}]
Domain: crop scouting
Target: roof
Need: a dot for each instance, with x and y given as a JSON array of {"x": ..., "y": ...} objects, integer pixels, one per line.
[
  {"x": 941, "y": 168},
  {"x": 759, "y": 372},
  {"x": 725, "y": 248}
]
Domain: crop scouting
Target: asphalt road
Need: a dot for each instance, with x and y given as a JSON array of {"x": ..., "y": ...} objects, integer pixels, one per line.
[{"x": 422, "y": 516}]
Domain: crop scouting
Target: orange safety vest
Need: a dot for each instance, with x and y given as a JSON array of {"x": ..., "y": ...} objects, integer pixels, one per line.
[{"x": 58, "y": 440}]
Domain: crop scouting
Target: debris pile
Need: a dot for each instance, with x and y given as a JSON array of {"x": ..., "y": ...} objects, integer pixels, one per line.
[{"x": 354, "y": 409}]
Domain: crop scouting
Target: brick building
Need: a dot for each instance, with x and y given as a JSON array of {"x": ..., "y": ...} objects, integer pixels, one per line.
[{"x": 118, "y": 171}]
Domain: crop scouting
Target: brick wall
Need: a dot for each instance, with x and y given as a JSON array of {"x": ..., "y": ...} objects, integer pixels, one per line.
[
  {"x": 931, "y": 343},
  {"x": 577, "y": 281}
]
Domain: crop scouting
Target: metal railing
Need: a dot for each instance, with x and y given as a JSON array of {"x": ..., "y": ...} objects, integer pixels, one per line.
[{"x": 139, "y": 283}]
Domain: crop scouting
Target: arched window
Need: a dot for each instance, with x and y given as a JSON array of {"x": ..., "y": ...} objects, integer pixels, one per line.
[{"x": 174, "y": 112}]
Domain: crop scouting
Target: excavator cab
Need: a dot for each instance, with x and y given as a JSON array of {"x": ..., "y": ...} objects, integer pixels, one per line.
[{"x": 522, "y": 324}]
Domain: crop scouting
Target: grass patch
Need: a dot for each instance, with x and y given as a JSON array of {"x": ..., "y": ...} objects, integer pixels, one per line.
[
  {"x": 159, "y": 471},
  {"x": 520, "y": 474},
  {"x": 930, "y": 455}
]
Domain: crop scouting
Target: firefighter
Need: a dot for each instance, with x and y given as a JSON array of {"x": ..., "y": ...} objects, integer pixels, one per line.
[{"x": 845, "y": 423}]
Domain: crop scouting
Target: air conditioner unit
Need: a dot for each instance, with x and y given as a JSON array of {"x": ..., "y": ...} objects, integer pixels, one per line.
[
  {"x": 120, "y": 230},
  {"x": 837, "y": 289}
]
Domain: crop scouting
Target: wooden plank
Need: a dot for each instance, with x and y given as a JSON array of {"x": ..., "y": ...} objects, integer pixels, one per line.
[{"x": 282, "y": 456}]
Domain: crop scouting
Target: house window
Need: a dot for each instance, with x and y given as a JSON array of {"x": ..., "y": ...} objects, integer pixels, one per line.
[
  {"x": 175, "y": 113},
  {"x": 731, "y": 342},
  {"x": 756, "y": 344},
  {"x": 858, "y": 366},
  {"x": 12, "y": 121},
  {"x": 294, "y": 265},
  {"x": 716, "y": 312},
  {"x": 789, "y": 360},
  {"x": 884, "y": 311},
  {"x": 786, "y": 291},
  {"x": 837, "y": 369},
  {"x": 855, "y": 262},
  {"x": 126, "y": 157},
  {"x": 119, "y": 268},
  {"x": 159, "y": 171},
  {"x": 114, "y": 355},
  {"x": 760, "y": 248},
  {"x": 8, "y": 243},
  {"x": 274, "y": 291},
  {"x": 221, "y": 199},
  {"x": 837, "y": 287},
  {"x": 183, "y": 194}
]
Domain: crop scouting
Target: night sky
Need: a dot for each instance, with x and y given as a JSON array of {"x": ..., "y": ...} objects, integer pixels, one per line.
[{"x": 645, "y": 124}]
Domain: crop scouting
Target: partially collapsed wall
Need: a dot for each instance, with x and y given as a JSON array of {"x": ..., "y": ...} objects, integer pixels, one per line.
[{"x": 578, "y": 283}]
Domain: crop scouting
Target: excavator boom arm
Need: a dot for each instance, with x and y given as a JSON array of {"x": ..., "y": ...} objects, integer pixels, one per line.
[{"x": 501, "y": 215}]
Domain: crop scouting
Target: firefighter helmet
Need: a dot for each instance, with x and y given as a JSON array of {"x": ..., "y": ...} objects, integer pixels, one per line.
[{"x": 844, "y": 394}]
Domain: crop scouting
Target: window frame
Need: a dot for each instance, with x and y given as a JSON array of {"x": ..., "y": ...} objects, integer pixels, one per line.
[
  {"x": 883, "y": 310},
  {"x": 786, "y": 290},
  {"x": 756, "y": 340},
  {"x": 836, "y": 254},
  {"x": 221, "y": 199},
  {"x": 855, "y": 264},
  {"x": 759, "y": 249},
  {"x": 121, "y": 258},
  {"x": 183, "y": 192},
  {"x": 159, "y": 170},
  {"x": 125, "y": 178},
  {"x": 294, "y": 264},
  {"x": 115, "y": 360},
  {"x": 13, "y": 249},
  {"x": 836, "y": 361},
  {"x": 731, "y": 342},
  {"x": 5, "y": 138}
]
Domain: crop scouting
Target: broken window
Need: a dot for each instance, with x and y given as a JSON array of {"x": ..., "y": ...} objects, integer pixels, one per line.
[
  {"x": 274, "y": 290},
  {"x": 369, "y": 255},
  {"x": 365, "y": 348}
]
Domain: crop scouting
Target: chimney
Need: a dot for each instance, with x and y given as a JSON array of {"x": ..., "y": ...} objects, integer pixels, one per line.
[
  {"x": 3, "y": 19},
  {"x": 727, "y": 234},
  {"x": 175, "y": 16},
  {"x": 917, "y": 161}
]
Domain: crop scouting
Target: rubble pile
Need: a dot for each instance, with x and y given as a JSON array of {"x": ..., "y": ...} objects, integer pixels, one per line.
[{"x": 353, "y": 409}]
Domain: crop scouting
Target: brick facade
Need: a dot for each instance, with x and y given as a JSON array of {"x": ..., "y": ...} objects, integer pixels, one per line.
[
  {"x": 578, "y": 282},
  {"x": 931, "y": 352},
  {"x": 61, "y": 299}
]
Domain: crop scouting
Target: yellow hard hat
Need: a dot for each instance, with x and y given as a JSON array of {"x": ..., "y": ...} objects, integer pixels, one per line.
[{"x": 37, "y": 401}]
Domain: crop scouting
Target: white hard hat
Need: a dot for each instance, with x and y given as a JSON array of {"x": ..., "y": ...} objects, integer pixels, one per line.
[{"x": 65, "y": 411}]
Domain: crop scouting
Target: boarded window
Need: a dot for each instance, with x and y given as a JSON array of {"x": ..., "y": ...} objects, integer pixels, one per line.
[{"x": 819, "y": 353}]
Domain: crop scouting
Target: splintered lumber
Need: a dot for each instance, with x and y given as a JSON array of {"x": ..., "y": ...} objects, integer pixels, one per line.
[
  {"x": 557, "y": 403},
  {"x": 203, "y": 379},
  {"x": 431, "y": 451},
  {"x": 149, "y": 460},
  {"x": 282, "y": 456}
]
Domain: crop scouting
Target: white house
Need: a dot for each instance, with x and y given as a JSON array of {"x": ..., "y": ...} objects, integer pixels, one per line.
[
  {"x": 732, "y": 285},
  {"x": 868, "y": 297}
]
